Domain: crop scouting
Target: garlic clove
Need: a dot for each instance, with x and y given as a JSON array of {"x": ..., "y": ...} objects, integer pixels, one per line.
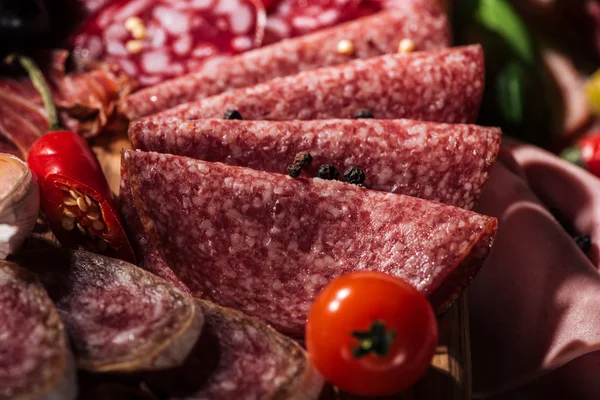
[{"x": 19, "y": 203}]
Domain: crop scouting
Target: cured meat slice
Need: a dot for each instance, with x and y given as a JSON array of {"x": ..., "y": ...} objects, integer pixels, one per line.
[
  {"x": 439, "y": 162},
  {"x": 266, "y": 244},
  {"x": 438, "y": 86},
  {"x": 289, "y": 18},
  {"x": 145, "y": 253},
  {"x": 370, "y": 36},
  {"x": 238, "y": 357},
  {"x": 295, "y": 18},
  {"x": 35, "y": 362},
  {"x": 85, "y": 99},
  {"x": 120, "y": 318},
  {"x": 153, "y": 40}
]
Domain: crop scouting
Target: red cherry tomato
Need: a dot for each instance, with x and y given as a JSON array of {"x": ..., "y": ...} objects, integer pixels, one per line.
[{"x": 371, "y": 334}]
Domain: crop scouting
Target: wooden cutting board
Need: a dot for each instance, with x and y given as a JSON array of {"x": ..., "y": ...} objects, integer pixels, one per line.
[{"x": 449, "y": 377}]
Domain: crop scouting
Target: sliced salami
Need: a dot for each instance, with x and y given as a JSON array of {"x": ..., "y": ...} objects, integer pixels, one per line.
[
  {"x": 288, "y": 18},
  {"x": 35, "y": 362},
  {"x": 439, "y": 162},
  {"x": 437, "y": 86},
  {"x": 153, "y": 40},
  {"x": 370, "y": 36},
  {"x": 120, "y": 318},
  {"x": 266, "y": 244},
  {"x": 238, "y": 357},
  {"x": 295, "y": 18},
  {"x": 145, "y": 254}
]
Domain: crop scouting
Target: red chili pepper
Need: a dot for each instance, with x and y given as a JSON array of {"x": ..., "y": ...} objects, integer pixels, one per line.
[
  {"x": 75, "y": 196},
  {"x": 586, "y": 153}
]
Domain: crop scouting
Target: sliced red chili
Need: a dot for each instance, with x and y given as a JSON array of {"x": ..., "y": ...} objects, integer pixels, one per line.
[{"x": 75, "y": 196}]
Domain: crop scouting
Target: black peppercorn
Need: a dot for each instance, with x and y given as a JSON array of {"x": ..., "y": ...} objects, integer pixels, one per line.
[
  {"x": 354, "y": 175},
  {"x": 303, "y": 159},
  {"x": 328, "y": 171},
  {"x": 232, "y": 114},
  {"x": 294, "y": 170},
  {"x": 363, "y": 113},
  {"x": 584, "y": 242}
]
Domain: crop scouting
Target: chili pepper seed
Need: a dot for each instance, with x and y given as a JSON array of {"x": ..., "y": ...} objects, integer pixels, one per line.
[
  {"x": 81, "y": 204},
  {"x": 69, "y": 201},
  {"x": 98, "y": 225},
  {"x": 67, "y": 223}
]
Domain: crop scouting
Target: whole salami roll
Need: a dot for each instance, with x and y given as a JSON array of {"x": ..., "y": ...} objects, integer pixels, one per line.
[
  {"x": 439, "y": 162},
  {"x": 266, "y": 244},
  {"x": 35, "y": 361},
  {"x": 239, "y": 357},
  {"x": 437, "y": 86},
  {"x": 120, "y": 318},
  {"x": 369, "y": 36}
]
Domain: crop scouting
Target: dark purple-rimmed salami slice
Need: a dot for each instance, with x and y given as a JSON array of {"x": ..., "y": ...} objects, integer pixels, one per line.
[
  {"x": 35, "y": 362},
  {"x": 437, "y": 86},
  {"x": 266, "y": 244},
  {"x": 239, "y": 357},
  {"x": 370, "y": 36},
  {"x": 120, "y": 318},
  {"x": 439, "y": 162}
]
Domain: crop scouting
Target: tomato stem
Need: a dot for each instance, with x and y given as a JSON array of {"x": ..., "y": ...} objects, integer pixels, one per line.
[
  {"x": 40, "y": 83},
  {"x": 376, "y": 340}
]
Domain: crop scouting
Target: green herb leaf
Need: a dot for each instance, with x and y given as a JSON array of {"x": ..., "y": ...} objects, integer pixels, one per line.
[
  {"x": 510, "y": 92},
  {"x": 500, "y": 17}
]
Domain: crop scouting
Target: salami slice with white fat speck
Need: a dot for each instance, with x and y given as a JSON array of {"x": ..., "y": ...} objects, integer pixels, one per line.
[
  {"x": 238, "y": 357},
  {"x": 266, "y": 244},
  {"x": 437, "y": 86},
  {"x": 370, "y": 36},
  {"x": 120, "y": 318},
  {"x": 295, "y": 18},
  {"x": 35, "y": 362},
  {"x": 289, "y": 18},
  {"x": 154, "y": 40},
  {"x": 447, "y": 163}
]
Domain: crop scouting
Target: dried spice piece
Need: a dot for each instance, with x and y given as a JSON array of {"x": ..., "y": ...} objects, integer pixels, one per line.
[
  {"x": 304, "y": 159},
  {"x": 232, "y": 114},
  {"x": 363, "y": 113},
  {"x": 328, "y": 171},
  {"x": 294, "y": 170},
  {"x": 354, "y": 175},
  {"x": 584, "y": 242}
]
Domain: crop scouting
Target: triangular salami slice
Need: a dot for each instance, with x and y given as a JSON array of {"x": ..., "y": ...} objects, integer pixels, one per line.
[
  {"x": 437, "y": 86},
  {"x": 120, "y": 318},
  {"x": 266, "y": 244},
  {"x": 369, "y": 37},
  {"x": 439, "y": 162},
  {"x": 239, "y": 357},
  {"x": 35, "y": 361}
]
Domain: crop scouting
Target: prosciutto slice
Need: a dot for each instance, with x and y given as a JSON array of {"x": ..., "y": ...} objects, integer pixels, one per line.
[
  {"x": 535, "y": 328},
  {"x": 85, "y": 99}
]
